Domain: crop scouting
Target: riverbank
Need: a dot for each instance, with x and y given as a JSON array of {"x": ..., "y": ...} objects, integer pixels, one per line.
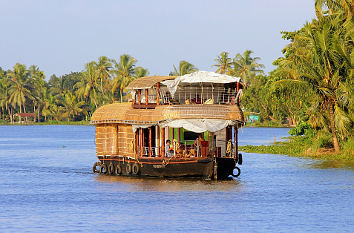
[
  {"x": 267, "y": 124},
  {"x": 304, "y": 147},
  {"x": 47, "y": 123}
]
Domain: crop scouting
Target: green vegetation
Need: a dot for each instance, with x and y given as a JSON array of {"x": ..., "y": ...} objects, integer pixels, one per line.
[
  {"x": 319, "y": 147},
  {"x": 312, "y": 86},
  {"x": 310, "y": 89}
]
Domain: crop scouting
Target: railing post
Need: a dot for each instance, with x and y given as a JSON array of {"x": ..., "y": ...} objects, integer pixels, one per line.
[
  {"x": 146, "y": 97},
  {"x": 139, "y": 96},
  {"x": 157, "y": 93},
  {"x": 141, "y": 142}
]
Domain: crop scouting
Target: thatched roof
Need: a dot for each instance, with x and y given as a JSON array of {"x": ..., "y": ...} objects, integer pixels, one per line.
[
  {"x": 147, "y": 82},
  {"x": 125, "y": 113}
]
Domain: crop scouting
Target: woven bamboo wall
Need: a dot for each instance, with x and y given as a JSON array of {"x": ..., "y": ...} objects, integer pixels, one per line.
[
  {"x": 126, "y": 140},
  {"x": 106, "y": 139}
]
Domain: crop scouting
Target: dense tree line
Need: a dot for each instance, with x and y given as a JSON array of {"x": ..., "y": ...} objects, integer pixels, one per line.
[
  {"x": 72, "y": 97},
  {"x": 311, "y": 87}
]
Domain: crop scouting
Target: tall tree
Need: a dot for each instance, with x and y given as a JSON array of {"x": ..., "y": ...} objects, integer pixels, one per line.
[
  {"x": 20, "y": 88},
  {"x": 71, "y": 106},
  {"x": 88, "y": 87},
  {"x": 223, "y": 62},
  {"x": 246, "y": 67},
  {"x": 321, "y": 55},
  {"x": 4, "y": 93},
  {"x": 140, "y": 72},
  {"x": 37, "y": 85},
  {"x": 124, "y": 73},
  {"x": 183, "y": 69},
  {"x": 103, "y": 67}
]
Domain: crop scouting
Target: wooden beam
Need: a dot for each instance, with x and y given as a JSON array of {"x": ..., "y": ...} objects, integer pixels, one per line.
[
  {"x": 157, "y": 93},
  {"x": 146, "y": 97},
  {"x": 150, "y": 141},
  {"x": 139, "y": 96}
]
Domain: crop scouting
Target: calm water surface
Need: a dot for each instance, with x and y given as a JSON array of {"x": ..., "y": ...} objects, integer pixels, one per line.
[{"x": 46, "y": 185}]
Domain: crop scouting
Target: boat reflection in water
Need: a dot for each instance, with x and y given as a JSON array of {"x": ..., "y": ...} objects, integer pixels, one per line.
[{"x": 169, "y": 185}]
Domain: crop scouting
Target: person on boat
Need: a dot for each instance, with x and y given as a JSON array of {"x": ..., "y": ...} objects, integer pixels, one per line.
[
  {"x": 233, "y": 100},
  {"x": 168, "y": 149},
  {"x": 198, "y": 143}
]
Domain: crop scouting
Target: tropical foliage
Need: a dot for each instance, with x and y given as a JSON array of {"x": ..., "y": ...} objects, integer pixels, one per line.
[{"x": 71, "y": 97}]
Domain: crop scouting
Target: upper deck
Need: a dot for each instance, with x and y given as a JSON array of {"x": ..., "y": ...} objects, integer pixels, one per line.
[
  {"x": 126, "y": 113},
  {"x": 200, "y": 95}
]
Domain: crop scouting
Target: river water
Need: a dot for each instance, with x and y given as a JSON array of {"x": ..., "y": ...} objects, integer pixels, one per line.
[{"x": 46, "y": 185}]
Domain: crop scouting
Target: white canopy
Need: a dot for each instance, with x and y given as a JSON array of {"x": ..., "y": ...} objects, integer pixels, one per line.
[
  {"x": 199, "y": 125},
  {"x": 194, "y": 125},
  {"x": 199, "y": 77}
]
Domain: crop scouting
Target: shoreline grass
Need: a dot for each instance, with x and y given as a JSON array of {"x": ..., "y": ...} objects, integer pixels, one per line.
[{"x": 305, "y": 147}]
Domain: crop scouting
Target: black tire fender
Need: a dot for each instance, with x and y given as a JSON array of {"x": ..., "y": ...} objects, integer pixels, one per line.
[
  {"x": 135, "y": 169},
  {"x": 238, "y": 172},
  {"x": 239, "y": 159},
  {"x": 94, "y": 167},
  {"x": 103, "y": 169},
  {"x": 110, "y": 169},
  {"x": 128, "y": 168},
  {"x": 118, "y": 170}
]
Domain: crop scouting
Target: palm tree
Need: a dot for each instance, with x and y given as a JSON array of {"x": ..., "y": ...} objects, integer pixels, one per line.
[
  {"x": 56, "y": 111},
  {"x": 103, "y": 67},
  {"x": 246, "y": 66},
  {"x": 71, "y": 106},
  {"x": 20, "y": 88},
  {"x": 88, "y": 87},
  {"x": 47, "y": 101},
  {"x": 4, "y": 93},
  {"x": 37, "y": 85},
  {"x": 337, "y": 7},
  {"x": 223, "y": 63},
  {"x": 124, "y": 73},
  {"x": 140, "y": 72},
  {"x": 183, "y": 69},
  {"x": 320, "y": 55}
]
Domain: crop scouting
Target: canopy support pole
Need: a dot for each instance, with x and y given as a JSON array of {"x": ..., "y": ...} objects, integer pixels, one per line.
[
  {"x": 141, "y": 142},
  {"x": 163, "y": 142},
  {"x": 235, "y": 141},
  {"x": 150, "y": 141},
  {"x": 158, "y": 140}
]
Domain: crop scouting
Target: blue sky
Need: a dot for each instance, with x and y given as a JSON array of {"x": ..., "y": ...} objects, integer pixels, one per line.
[{"x": 60, "y": 36}]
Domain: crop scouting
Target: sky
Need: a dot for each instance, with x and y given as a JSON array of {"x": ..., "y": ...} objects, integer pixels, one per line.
[{"x": 61, "y": 36}]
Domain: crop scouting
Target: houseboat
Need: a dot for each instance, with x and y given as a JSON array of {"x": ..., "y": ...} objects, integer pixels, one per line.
[{"x": 174, "y": 126}]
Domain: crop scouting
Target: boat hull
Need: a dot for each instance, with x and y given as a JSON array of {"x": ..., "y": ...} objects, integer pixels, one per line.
[{"x": 206, "y": 168}]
